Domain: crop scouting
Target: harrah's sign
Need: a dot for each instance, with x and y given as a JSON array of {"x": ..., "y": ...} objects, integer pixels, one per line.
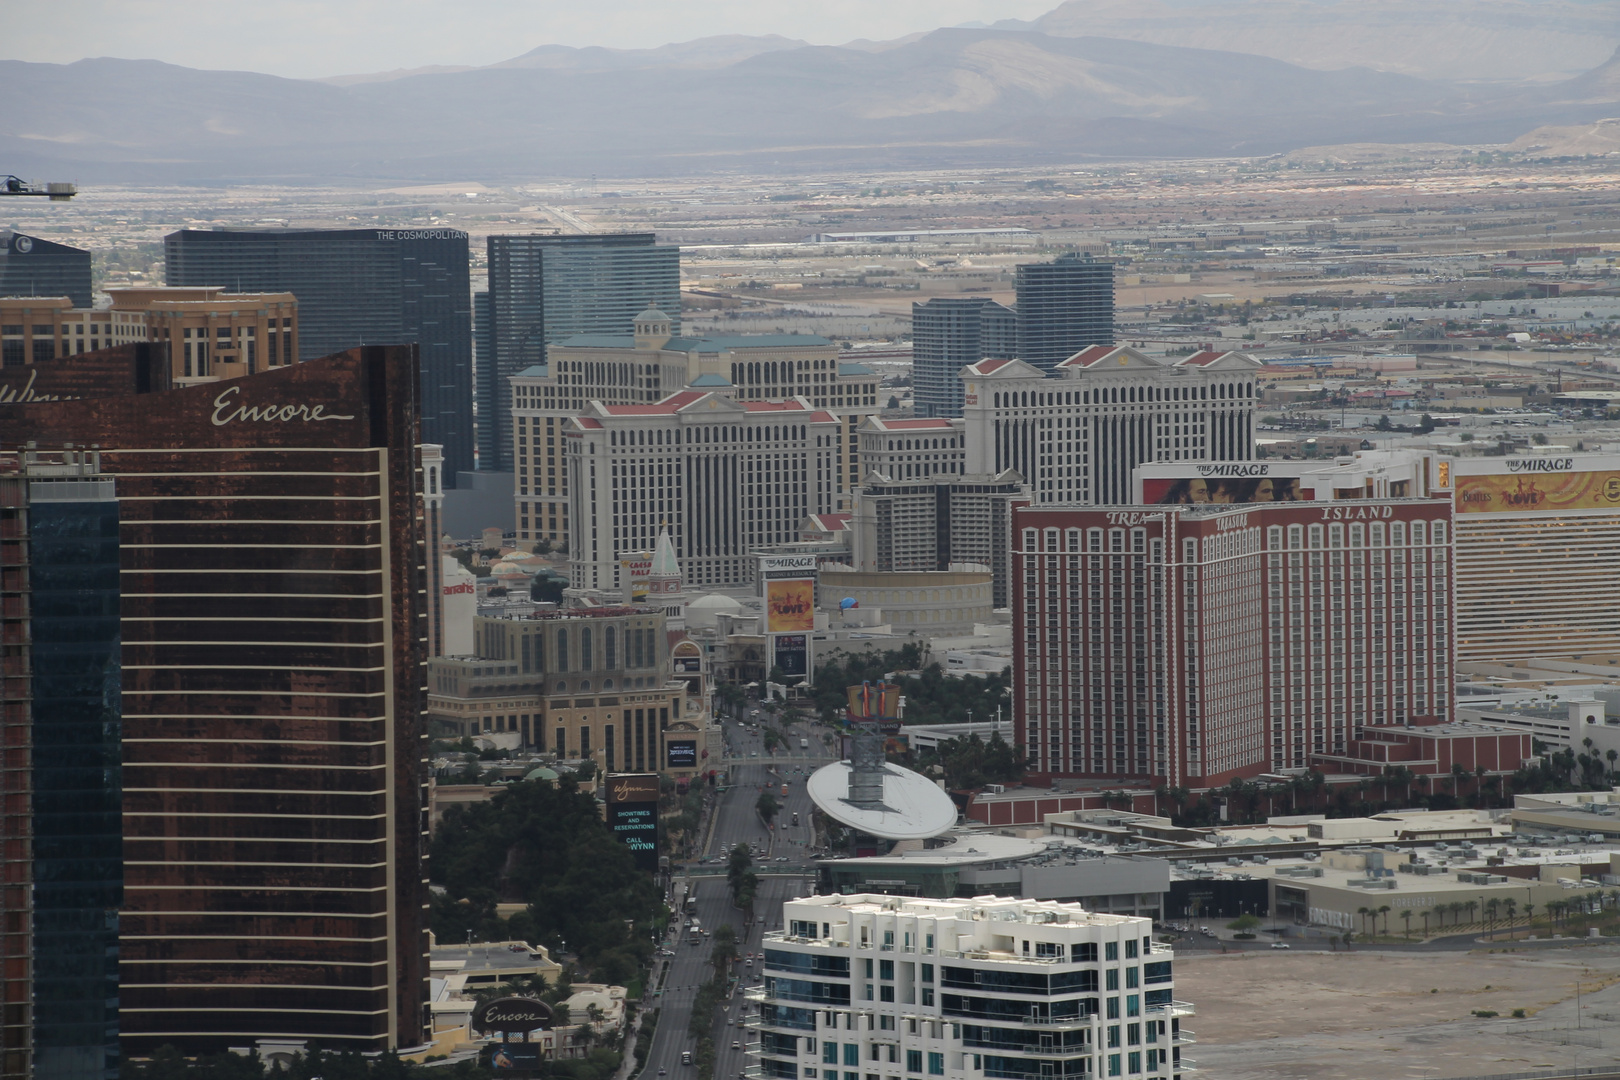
[
  {"x": 229, "y": 409},
  {"x": 466, "y": 588}
]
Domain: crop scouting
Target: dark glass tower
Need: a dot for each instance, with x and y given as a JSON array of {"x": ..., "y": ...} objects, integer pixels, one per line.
[
  {"x": 1063, "y": 306},
  {"x": 30, "y": 266},
  {"x": 947, "y": 334},
  {"x": 546, "y": 288},
  {"x": 359, "y": 287},
  {"x": 484, "y": 379},
  {"x": 59, "y": 520}
]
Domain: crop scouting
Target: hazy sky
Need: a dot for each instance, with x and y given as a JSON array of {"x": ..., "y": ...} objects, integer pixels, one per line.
[{"x": 312, "y": 38}]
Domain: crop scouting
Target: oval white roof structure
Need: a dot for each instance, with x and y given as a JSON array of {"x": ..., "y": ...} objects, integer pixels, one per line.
[{"x": 914, "y": 808}]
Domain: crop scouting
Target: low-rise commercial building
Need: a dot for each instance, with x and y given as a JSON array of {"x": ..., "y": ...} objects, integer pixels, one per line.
[{"x": 966, "y": 864}]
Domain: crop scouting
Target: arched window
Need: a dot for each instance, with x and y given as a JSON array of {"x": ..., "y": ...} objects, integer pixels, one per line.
[{"x": 562, "y": 649}]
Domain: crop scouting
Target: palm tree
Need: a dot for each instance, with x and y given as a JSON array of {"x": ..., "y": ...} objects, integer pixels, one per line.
[
  {"x": 1384, "y": 911},
  {"x": 1613, "y": 756},
  {"x": 1491, "y": 907},
  {"x": 1406, "y": 917},
  {"x": 1511, "y": 905},
  {"x": 1425, "y": 916},
  {"x": 1529, "y": 917},
  {"x": 1362, "y": 911},
  {"x": 1472, "y": 906},
  {"x": 1456, "y": 909}
]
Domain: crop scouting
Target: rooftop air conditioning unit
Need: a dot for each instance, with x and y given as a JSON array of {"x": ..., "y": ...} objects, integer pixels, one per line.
[{"x": 995, "y": 789}]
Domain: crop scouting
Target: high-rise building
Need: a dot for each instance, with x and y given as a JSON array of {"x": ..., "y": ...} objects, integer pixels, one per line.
[
  {"x": 1063, "y": 306},
  {"x": 931, "y": 524},
  {"x": 724, "y": 477},
  {"x": 1537, "y": 536},
  {"x": 993, "y": 987},
  {"x": 484, "y": 380},
  {"x": 648, "y": 366},
  {"x": 1190, "y": 645},
  {"x": 207, "y": 334},
  {"x": 912, "y": 448},
  {"x": 543, "y": 289},
  {"x": 61, "y": 822},
  {"x": 947, "y": 334},
  {"x": 1077, "y": 432},
  {"x": 30, "y": 266},
  {"x": 359, "y": 287},
  {"x": 273, "y": 634}
]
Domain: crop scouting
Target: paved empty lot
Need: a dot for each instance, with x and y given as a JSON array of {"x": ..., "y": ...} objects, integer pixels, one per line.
[{"x": 1386, "y": 1016}]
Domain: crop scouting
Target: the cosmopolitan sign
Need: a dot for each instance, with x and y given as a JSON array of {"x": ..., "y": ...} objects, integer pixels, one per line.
[
  {"x": 230, "y": 409},
  {"x": 421, "y": 234},
  {"x": 512, "y": 1015}
]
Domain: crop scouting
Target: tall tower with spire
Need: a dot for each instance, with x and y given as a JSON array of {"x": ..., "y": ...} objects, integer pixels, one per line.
[{"x": 665, "y": 584}]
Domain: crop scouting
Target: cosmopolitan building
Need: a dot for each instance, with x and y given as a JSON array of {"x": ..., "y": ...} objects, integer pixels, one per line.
[
  {"x": 1075, "y": 434},
  {"x": 359, "y": 287},
  {"x": 725, "y": 477},
  {"x": 989, "y": 987},
  {"x": 1189, "y": 645},
  {"x": 650, "y": 365},
  {"x": 273, "y": 634}
]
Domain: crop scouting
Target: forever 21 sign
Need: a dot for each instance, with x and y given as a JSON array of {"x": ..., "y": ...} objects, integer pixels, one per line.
[{"x": 511, "y": 1015}]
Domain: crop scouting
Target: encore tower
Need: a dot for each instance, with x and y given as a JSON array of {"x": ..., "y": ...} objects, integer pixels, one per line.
[{"x": 273, "y": 624}]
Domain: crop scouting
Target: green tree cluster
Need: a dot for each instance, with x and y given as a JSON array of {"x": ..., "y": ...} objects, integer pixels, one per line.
[
  {"x": 932, "y": 697},
  {"x": 973, "y": 763},
  {"x": 740, "y": 876},
  {"x": 544, "y": 844}
]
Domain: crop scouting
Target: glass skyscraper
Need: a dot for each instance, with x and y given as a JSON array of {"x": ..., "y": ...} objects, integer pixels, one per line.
[
  {"x": 947, "y": 334},
  {"x": 546, "y": 288},
  {"x": 359, "y": 287},
  {"x": 1064, "y": 306},
  {"x": 63, "y": 521},
  {"x": 30, "y": 266}
]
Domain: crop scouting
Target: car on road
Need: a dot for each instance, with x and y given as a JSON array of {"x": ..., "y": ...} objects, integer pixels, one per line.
[
  {"x": 781, "y": 858},
  {"x": 753, "y": 753},
  {"x": 1279, "y": 944},
  {"x": 735, "y": 1045}
]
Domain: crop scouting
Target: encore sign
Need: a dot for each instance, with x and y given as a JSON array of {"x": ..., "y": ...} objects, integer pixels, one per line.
[
  {"x": 229, "y": 409},
  {"x": 511, "y": 1015}
]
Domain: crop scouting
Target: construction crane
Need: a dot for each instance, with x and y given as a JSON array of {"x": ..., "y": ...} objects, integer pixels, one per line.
[{"x": 56, "y": 191}]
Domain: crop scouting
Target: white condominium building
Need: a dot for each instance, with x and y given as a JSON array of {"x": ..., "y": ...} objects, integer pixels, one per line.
[
  {"x": 647, "y": 366},
  {"x": 725, "y": 477},
  {"x": 874, "y": 987},
  {"x": 1077, "y": 433}
]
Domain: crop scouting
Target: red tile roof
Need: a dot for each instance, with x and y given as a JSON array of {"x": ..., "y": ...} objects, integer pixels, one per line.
[
  {"x": 1088, "y": 356},
  {"x": 985, "y": 367},
  {"x": 666, "y": 407},
  {"x": 1201, "y": 358},
  {"x": 936, "y": 423}
]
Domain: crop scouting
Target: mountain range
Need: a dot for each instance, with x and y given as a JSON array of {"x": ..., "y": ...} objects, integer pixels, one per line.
[{"x": 1001, "y": 96}]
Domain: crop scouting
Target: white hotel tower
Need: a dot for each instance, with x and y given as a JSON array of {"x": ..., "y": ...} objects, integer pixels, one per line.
[{"x": 874, "y": 987}]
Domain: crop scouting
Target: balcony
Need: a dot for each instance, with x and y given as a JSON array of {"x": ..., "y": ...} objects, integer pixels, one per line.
[
  {"x": 1183, "y": 1037},
  {"x": 754, "y": 993},
  {"x": 1172, "y": 1008}
]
